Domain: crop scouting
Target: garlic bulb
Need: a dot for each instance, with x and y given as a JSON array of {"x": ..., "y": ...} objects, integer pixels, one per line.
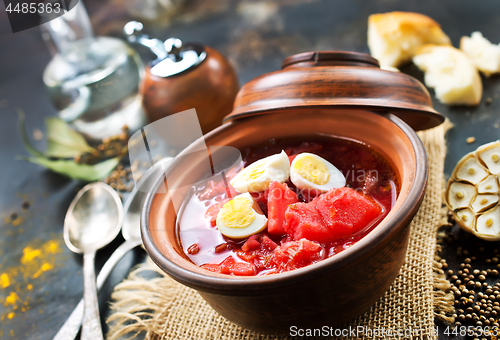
[{"x": 473, "y": 192}]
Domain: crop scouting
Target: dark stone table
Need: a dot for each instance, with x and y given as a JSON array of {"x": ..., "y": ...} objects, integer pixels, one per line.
[{"x": 35, "y": 264}]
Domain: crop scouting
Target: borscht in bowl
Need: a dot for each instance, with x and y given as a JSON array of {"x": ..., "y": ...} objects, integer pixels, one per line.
[
  {"x": 291, "y": 203},
  {"x": 311, "y": 227}
]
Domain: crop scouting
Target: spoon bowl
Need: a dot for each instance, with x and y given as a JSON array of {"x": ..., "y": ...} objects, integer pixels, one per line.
[{"x": 94, "y": 218}]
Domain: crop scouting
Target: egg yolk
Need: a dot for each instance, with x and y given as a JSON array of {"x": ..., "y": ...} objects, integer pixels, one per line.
[
  {"x": 253, "y": 173},
  {"x": 238, "y": 212},
  {"x": 312, "y": 169}
]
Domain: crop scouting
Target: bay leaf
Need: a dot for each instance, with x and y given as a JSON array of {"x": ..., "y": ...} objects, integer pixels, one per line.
[
  {"x": 62, "y": 141},
  {"x": 70, "y": 168}
]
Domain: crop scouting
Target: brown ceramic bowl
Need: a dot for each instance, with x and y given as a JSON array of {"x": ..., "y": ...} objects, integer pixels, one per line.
[{"x": 327, "y": 293}]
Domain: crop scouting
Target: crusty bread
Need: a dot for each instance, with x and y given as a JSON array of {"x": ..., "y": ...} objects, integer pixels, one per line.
[
  {"x": 393, "y": 38},
  {"x": 482, "y": 52},
  {"x": 450, "y": 72}
]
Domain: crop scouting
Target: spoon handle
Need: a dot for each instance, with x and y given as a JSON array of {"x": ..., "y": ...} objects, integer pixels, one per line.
[
  {"x": 72, "y": 325},
  {"x": 91, "y": 329}
]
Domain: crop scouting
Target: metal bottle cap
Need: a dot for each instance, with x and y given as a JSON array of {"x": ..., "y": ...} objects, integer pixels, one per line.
[{"x": 172, "y": 56}]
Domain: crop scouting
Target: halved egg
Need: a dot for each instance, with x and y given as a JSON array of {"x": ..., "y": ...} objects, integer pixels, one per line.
[
  {"x": 241, "y": 217},
  {"x": 309, "y": 171},
  {"x": 257, "y": 176}
]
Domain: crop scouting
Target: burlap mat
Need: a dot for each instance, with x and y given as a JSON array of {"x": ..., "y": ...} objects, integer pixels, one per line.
[{"x": 161, "y": 308}]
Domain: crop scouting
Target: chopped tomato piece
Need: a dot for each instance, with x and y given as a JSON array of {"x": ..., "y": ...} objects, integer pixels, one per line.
[
  {"x": 226, "y": 265},
  {"x": 303, "y": 220},
  {"x": 251, "y": 243},
  {"x": 338, "y": 214},
  {"x": 268, "y": 243},
  {"x": 278, "y": 199},
  {"x": 346, "y": 212},
  {"x": 243, "y": 269},
  {"x": 230, "y": 266},
  {"x": 249, "y": 256},
  {"x": 296, "y": 254}
]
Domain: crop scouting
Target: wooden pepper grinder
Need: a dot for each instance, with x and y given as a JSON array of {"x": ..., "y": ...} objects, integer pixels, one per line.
[{"x": 185, "y": 76}]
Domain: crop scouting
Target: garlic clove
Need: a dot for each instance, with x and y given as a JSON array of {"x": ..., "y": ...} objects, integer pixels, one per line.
[
  {"x": 489, "y": 185},
  {"x": 488, "y": 225},
  {"x": 490, "y": 155},
  {"x": 460, "y": 195},
  {"x": 470, "y": 170},
  {"x": 465, "y": 218},
  {"x": 484, "y": 202}
]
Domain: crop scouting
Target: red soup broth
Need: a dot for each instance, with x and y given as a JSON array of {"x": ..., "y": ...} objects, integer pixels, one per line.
[{"x": 364, "y": 168}]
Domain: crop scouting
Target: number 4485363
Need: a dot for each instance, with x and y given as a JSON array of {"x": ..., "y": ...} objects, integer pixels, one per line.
[{"x": 35, "y": 8}]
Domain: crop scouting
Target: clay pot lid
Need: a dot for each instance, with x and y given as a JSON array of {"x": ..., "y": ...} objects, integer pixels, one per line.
[{"x": 337, "y": 79}]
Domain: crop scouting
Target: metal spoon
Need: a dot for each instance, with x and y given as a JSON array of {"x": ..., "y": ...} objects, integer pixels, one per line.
[
  {"x": 132, "y": 235},
  {"x": 93, "y": 220}
]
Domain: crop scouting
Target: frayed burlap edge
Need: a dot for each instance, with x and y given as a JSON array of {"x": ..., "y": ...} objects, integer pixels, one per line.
[
  {"x": 160, "y": 308},
  {"x": 444, "y": 299}
]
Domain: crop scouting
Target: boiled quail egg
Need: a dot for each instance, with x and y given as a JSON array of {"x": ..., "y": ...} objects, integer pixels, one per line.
[
  {"x": 309, "y": 171},
  {"x": 257, "y": 176},
  {"x": 241, "y": 217}
]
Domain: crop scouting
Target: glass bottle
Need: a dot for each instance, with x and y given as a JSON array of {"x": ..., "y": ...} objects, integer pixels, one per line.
[{"x": 92, "y": 81}]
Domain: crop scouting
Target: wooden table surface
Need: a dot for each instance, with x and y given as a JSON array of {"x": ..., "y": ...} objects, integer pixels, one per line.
[{"x": 256, "y": 37}]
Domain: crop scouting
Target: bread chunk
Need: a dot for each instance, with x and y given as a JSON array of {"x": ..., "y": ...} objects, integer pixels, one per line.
[
  {"x": 451, "y": 73},
  {"x": 394, "y": 38},
  {"x": 484, "y": 54}
]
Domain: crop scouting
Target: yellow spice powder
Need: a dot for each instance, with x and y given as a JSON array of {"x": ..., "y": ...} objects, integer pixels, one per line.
[
  {"x": 4, "y": 280},
  {"x": 11, "y": 299},
  {"x": 36, "y": 260}
]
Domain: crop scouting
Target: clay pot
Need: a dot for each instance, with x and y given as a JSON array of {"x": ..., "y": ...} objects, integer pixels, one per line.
[{"x": 345, "y": 95}]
